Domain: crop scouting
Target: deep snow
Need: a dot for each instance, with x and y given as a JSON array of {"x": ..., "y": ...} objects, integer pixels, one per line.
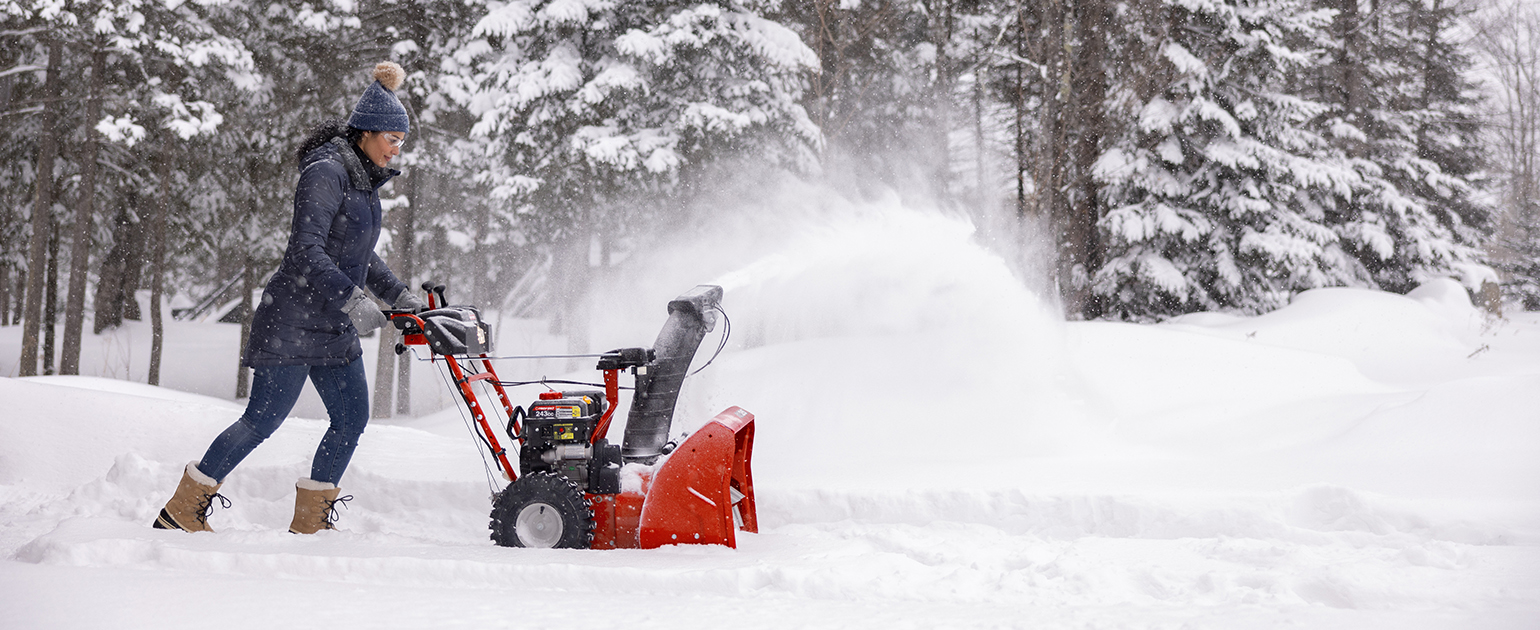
[{"x": 934, "y": 449}]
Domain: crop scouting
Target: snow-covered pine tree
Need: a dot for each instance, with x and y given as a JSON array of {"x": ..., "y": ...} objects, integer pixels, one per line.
[
  {"x": 598, "y": 107},
  {"x": 1403, "y": 113},
  {"x": 1213, "y": 181}
]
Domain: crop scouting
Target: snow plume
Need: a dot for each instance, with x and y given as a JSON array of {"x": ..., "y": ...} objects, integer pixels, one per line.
[
  {"x": 920, "y": 310},
  {"x": 804, "y": 263}
]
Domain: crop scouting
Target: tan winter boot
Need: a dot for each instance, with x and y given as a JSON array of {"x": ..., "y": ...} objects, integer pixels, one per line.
[
  {"x": 315, "y": 506},
  {"x": 188, "y": 509}
]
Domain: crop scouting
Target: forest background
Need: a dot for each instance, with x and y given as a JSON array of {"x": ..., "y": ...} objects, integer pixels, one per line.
[{"x": 1138, "y": 159}]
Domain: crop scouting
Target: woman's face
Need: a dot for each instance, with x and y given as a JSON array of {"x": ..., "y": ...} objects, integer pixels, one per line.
[{"x": 381, "y": 146}]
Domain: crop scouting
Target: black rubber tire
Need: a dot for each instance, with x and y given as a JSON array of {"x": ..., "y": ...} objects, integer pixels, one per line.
[{"x": 555, "y": 514}]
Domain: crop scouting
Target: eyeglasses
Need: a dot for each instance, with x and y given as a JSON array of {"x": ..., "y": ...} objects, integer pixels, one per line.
[{"x": 394, "y": 141}]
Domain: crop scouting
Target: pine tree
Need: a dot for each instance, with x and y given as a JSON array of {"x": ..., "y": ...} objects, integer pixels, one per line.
[
  {"x": 1215, "y": 185},
  {"x": 593, "y": 101},
  {"x": 607, "y": 115},
  {"x": 1403, "y": 113}
]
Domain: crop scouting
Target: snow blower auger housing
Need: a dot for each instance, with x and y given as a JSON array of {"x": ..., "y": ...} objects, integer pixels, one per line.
[{"x": 573, "y": 488}]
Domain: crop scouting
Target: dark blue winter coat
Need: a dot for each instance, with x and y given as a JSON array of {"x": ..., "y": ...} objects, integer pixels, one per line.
[{"x": 331, "y": 250}]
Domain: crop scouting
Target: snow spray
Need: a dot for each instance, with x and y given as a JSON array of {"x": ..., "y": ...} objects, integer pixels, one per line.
[{"x": 863, "y": 322}]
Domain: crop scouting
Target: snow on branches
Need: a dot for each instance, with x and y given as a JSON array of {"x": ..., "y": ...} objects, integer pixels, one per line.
[{"x": 599, "y": 101}]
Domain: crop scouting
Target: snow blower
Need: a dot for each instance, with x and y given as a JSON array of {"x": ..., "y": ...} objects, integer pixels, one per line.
[{"x": 574, "y": 489}]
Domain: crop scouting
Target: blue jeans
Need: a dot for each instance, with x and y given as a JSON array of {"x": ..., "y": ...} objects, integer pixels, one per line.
[{"x": 274, "y": 390}]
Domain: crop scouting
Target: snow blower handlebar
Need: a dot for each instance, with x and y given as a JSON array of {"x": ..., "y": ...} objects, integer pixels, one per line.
[{"x": 453, "y": 331}]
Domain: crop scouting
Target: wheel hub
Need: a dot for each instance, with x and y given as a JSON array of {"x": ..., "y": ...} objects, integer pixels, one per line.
[{"x": 539, "y": 525}]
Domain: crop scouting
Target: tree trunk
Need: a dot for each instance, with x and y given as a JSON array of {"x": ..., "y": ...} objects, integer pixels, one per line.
[
  {"x": 406, "y": 272},
  {"x": 157, "y": 260},
  {"x": 1349, "y": 62},
  {"x": 117, "y": 278},
  {"x": 942, "y": 86},
  {"x": 392, "y": 372},
  {"x": 248, "y": 287},
  {"x": 980, "y": 177},
  {"x": 569, "y": 284},
  {"x": 109, "y": 283},
  {"x": 42, "y": 213},
  {"x": 1052, "y": 150},
  {"x": 1023, "y": 144},
  {"x": 51, "y": 300},
  {"x": 1079, "y": 249},
  {"x": 133, "y": 262},
  {"x": 80, "y": 249},
  {"x": 1052, "y": 153},
  {"x": 5, "y": 295},
  {"x": 381, "y": 405},
  {"x": 1433, "y": 20},
  {"x": 19, "y": 301}
]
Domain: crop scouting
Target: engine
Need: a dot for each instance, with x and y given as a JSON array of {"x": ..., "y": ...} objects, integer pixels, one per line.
[{"x": 558, "y": 437}]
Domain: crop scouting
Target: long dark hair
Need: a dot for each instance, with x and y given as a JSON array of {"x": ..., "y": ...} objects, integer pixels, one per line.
[{"x": 324, "y": 132}]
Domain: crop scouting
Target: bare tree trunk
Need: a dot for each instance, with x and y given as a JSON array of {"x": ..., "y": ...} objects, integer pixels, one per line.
[
  {"x": 117, "y": 277},
  {"x": 42, "y": 213},
  {"x": 1079, "y": 249},
  {"x": 157, "y": 262},
  {"x": 569, "y": 284},
  {"x": 51, "y": 297},
  {"x": 22, "y": 278},
  {"x": 408, "y": 271},
  {"x": 382, "y": 403},
  {"x": 109, "y": 283},
  {"x": 80, "y": 249},
  {"x": 1052, "y": 153},
  {"x": 942, "y": 86},
  {"x": 1023, "y": 144},
  {"x": 980, "y": 177},
  {"x": 5, "y": 295},
  {"x": 392, "y": 372},
  {"x": 19, "y": 301},
  {"x": 1052, "y": 142},
  {"x": 133, "y": 262},
  {"x": 248, "y": 287}
]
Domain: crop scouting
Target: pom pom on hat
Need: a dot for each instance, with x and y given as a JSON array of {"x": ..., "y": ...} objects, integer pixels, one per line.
[
  {"x": 389, "y": 74},
  {"x": 379, "y": 109}
]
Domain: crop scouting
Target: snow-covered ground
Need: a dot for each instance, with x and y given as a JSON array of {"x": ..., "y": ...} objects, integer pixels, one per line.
[{"x": 934, "y": 450}]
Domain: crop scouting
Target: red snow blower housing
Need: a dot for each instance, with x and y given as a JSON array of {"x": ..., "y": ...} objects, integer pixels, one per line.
[{"x": 573, "y": 488}]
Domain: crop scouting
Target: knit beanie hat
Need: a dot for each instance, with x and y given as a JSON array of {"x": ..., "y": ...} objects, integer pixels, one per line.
[{"x": 379, "y": 109}]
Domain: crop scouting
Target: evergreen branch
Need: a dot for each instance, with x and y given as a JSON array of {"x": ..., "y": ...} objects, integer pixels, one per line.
[
  {"x": 25, "y": 31},
  {"x": 20, "y": 69},
  {"x": 17, "y": 112}
]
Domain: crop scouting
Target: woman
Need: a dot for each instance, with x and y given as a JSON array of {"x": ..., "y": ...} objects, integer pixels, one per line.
[{"x": 313, "y": 310}]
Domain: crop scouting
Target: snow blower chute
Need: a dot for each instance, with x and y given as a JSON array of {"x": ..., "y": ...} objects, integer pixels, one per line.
[{"x": 573, "y": 488}]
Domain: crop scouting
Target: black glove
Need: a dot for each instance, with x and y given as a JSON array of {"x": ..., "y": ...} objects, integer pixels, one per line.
[
  {"x": 365, "y": 315},
  {"x": 408, "y": 302}
]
